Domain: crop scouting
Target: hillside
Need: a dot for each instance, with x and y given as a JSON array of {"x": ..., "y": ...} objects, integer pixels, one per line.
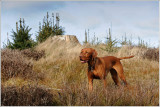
[{"x": 58, "y": 77}]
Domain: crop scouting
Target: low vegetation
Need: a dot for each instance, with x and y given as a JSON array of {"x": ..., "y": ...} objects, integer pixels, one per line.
[
  {"x": 35, "y": 55},
  {"x": 59, "y": 78},
  {"x": 14, "y": 64},
  {"x": 26, "y": 96}
]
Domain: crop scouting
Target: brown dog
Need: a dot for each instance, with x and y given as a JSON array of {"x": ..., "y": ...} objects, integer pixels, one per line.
[{"x": 98, "y": 67}]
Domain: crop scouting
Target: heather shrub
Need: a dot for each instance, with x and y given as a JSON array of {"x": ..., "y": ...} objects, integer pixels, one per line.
[
  {"x": 26, "y": 96},
  {"x": 152, "y": 54},
  {"x": 142, "y": 53},
  {"x": 36, "y": 55},
  {"x": 14, "y": 64}
]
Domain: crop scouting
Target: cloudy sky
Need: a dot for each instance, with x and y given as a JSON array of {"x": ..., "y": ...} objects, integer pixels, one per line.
[{"x": 136, "y": 18}]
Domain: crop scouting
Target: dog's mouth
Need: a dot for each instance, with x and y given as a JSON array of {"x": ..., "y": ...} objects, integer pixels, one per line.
[{"x": 83, "y": 61}]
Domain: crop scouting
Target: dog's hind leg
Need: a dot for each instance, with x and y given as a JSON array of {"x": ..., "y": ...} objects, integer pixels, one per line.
[
  {"x": 118, "y": 67},
  {"x": 114, "y": 76}
]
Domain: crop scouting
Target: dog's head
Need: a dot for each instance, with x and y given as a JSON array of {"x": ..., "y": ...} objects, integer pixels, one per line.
[{"x": 87, "y": 54}]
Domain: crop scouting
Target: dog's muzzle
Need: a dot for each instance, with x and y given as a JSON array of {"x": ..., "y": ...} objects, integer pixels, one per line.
[{"x": 82, "y": 61}]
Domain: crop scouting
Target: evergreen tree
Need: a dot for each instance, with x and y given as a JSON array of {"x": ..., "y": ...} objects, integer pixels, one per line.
[
  {"x": 130, "y": 41},
  {"x": 98, "y": 41},
  {"x": 141, "y": 43},
  {"x": 85, "y": 41},
  {"x": 124, "y": 42},
  {"x": 93, "y": 42},
  {"x": 48, "y": 29},
  {"x": 21, "y": 37},
  {"x": 110, "y": 43}
]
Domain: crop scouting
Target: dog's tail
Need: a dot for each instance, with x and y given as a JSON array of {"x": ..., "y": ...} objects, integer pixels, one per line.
[{"x": 126, "y": 57}]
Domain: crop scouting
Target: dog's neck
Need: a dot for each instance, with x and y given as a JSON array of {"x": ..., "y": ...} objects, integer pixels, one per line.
[{"x": 91, "y": 64}]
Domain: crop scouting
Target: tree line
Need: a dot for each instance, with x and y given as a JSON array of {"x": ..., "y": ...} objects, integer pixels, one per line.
[
  {"x": 22, "y": 37},
  {"x": 111, "y": 44}
]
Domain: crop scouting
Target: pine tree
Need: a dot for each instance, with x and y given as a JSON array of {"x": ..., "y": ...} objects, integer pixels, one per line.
[
  {"x": 124, "y": 42},
  {"x": 98, "y": 41},
  {"x": 130, "y": 41},
  {"x": 88, "y": 37},
  {"x": 85, "y": 41},
  {"x": 48, "y": 29},
  {"x": 21, "y": 37},
  {"x": 110, "y": 43},
  {"x": 93, "y": 41},
  {"x": 141, "y": 43}
]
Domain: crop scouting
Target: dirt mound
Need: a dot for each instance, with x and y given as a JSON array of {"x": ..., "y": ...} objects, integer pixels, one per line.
[
  {"x": 60, "y": 40},
  {"x": 61, "y": 46}
]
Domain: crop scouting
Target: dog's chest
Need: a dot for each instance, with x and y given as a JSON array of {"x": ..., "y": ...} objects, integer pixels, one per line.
[
  {"x": 97, "y": 74},
  {"x": 99, "y": 71}
]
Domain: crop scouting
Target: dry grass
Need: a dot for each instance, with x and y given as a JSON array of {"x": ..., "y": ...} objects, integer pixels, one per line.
[
  {"x": 142, "y": 76},
  {"x": 65, "y": 81}
]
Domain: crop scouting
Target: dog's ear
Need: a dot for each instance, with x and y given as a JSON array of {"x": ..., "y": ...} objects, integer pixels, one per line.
[{"x": 94, "y": 53}]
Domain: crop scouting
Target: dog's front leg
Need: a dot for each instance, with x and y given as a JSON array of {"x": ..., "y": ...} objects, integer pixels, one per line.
[
  {"x": 105, "y": 83},
  {"x": 90, "y": 80},
  {"x": 104, "y": 78}
]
